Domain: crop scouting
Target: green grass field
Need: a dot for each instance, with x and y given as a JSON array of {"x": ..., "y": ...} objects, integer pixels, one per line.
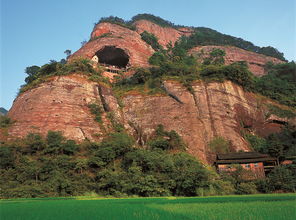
[{"x": 276, "y": 206}]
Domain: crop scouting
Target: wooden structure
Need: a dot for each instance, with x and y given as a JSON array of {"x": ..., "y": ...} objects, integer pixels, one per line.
[
  {"x": 114, "y": 69},
  {"x": 258, "y": 164},
  {"x": 288, "y": 160}
]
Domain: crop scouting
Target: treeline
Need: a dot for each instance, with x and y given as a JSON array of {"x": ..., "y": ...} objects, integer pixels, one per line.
[
  {"x": 206, "y": 36},
  {"x": 130, "y": 24},
  {"x": 54, "y": 166},
  {"x": 201, "y": 35}
]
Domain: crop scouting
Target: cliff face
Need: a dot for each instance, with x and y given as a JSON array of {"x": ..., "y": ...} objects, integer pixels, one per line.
[
  {"x": 106, "y": 34},
  {"x": 210, "y": 110},
  {"x": 215, "y": 109},
  {"x": 165, "y": 35},
  {"x": 60, "y": 104},
  {"x": 255, "y": 61}
]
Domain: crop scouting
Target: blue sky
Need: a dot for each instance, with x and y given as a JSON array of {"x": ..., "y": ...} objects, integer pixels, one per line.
[{"x": 36, "y": 31}]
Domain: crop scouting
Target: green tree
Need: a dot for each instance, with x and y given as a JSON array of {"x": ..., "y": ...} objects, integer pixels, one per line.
[
  {"x": 282, "y": 178},
  {"x": 188, "y": 175},
  {"x": 54, "y": 141},
  {"x": 7, "y": 157},
  {"x": 68, "y": 53},
  {"x": 259, "y": 144},
  {"x": 216, "y": 57},
  {"x": 70, "y": 147},
  {"x": 219, "y": 145},
  {"x": 4, "y": 121},
  {"x": 151, "y": 39},
  {"x": 34, "y": 143},
  {"x": 32, "y": 72}
]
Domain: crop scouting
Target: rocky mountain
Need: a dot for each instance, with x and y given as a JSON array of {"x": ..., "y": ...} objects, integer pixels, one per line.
[
  {"x": 3, "y": 111},
  {"x": 209, "y": 110}
]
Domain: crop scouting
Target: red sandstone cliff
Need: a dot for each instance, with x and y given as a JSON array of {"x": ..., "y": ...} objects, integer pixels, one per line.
[
  {"x": 106, "y": 34},
  {"x": 255, "y": 61},
  {"x": 59, "y": 104},
  {"x": 165, "y": 35},
  {"x": 215, "y": 109},
  {"x": 138, "y": 51}
]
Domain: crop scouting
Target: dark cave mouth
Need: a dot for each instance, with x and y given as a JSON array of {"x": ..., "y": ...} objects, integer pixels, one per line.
[{"x": 113, "y": 56}]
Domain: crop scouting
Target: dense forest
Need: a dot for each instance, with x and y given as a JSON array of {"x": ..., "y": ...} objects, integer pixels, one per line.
[{"x": 53, "y": 166}]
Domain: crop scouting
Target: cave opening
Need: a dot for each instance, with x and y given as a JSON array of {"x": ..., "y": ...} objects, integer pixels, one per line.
[{"x": 113, "y": 56}]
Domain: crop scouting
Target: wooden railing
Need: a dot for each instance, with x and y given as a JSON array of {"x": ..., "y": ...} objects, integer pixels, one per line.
[{"x": 114, "y": 69}]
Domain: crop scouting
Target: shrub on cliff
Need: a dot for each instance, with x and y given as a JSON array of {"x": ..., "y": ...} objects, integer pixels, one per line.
[
  {"x": 236, "y": 72},
  {"x": 173, "y": 62},
  {"x": 282, "y": 113},
  {"x": 216, "y": 57},
  {"x": 151, "y": 39},
  {"x": 32, "y": 72},
  {"x": 5, "y": 121},
  {"x": 37, "y": 75},
  {"x": 207, "y": 36},
  {"x": 257, "y": 143},
  {"x": 154, "y": 19},
  {"x": 97, "y": 111},
  {"x": 219, "y": 145},
  {"x": 279, "y": 84},
  {"x": 118, "y": 21},
  {"x": 166, "y": 140}
]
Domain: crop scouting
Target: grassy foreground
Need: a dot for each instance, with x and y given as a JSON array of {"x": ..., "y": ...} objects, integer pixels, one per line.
[{"x": 276, "y": 206}]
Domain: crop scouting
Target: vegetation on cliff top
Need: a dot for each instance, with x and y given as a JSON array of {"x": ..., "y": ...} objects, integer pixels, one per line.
[
  {"x": 152, "y": 40},
  {"x": 206, "y": 36},
  {"x": 118, "y": 21},
  {"x": 200, "y": 36},
  {"x": 37, "y": 75}
]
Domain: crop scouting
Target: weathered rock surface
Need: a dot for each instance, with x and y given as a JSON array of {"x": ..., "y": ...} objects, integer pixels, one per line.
[
  {"x": 165, "y": 35},
  {"x": 255, "y": 61},
  {"x": 215, "y": 109},
  {"x": 59, "y": 105},
  {"x": 207, "y": 113},
  {"x": 107, "y": 34}
]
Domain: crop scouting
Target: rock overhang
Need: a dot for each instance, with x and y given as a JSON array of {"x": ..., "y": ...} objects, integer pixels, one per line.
[
  {"x": 125, "y": 41},
  {"x": 111, "y": 55}
]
